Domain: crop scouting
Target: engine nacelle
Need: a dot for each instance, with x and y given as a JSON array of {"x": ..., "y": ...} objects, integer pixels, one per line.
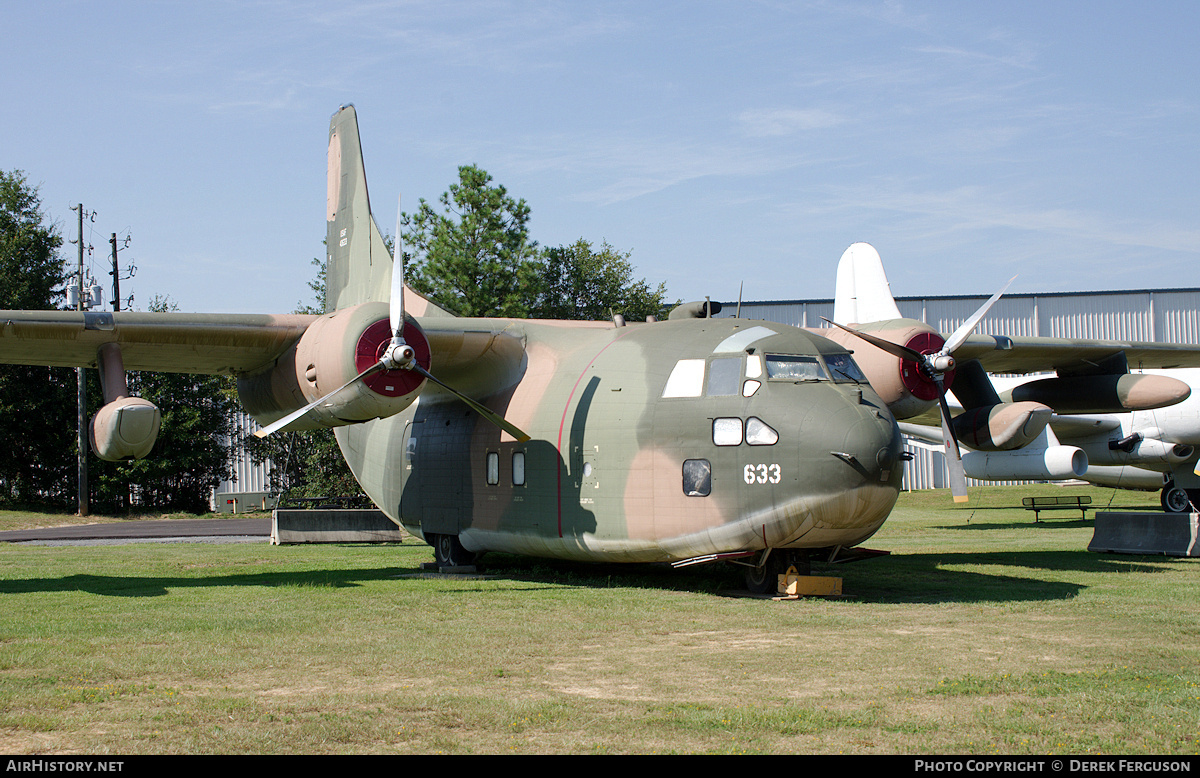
[
  {"x": 900, "y": 383},
  {"x": 1001, "y": 427},
  {"x": 1055, "y": 463},
  {"x": 331, "y": 352},
  {"x": 1110, "y": 393},
  {"x": 125, "y": 428}
]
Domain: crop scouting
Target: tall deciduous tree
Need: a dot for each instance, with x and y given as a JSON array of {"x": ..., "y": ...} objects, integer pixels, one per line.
[
  {"x": 475, "y": 257},
  {"x": 37, "y": 404},
  {"x": 578, "y": 282}
]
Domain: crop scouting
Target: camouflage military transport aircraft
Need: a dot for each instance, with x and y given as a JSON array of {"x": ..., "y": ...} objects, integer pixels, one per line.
[{"x": 690, "y": 440}]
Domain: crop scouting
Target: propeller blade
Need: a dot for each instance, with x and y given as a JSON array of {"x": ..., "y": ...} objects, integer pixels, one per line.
[
  {"x": 279, "y": 424},
  {"x": 958, "y": 476},
  {"x": 482, "y": 410},
  {"x": 396, "y": 303},
  {"x": 959, "y": 335},
  {"x": 895, "y": 349}
]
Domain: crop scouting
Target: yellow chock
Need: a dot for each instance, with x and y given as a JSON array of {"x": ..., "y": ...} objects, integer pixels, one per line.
[{"x": 792, "y": 584}]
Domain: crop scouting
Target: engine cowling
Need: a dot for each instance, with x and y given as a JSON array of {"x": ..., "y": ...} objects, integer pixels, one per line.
[
  {"x": 1001, "y": 427},
  {"x": 331, "y": 352},
  {"x": 901, "y": 383}
]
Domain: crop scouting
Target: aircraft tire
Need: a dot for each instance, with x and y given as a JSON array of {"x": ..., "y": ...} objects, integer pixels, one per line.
[
  {"x": 1174, "y": 499},
  {"x": 765, "y": 578},
  {"x": 449, "y": 552}
]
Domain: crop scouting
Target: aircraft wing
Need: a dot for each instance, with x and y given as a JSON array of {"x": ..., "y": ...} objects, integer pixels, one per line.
[
  {"x": 471, "y": 351},
  {"x": 165, "y": 342},
  {"x": 999, "y": 354}
]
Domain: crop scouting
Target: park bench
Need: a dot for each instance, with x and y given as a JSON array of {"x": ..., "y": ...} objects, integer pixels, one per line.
[{"x": 1066, "y": 503}]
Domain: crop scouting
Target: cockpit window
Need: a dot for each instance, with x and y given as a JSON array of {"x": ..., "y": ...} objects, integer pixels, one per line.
[
  {"x": 724, "y": 376},
  {"x": 795, "y": 368},
  {"x": 844, "y": 368}
]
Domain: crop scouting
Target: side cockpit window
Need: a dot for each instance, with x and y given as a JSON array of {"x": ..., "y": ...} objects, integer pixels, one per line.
[
  {"x": 759, "y": 433},
  {"x": 728, "y": 431}
]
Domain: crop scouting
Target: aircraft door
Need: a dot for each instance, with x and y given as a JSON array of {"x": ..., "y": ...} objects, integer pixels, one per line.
[{"x": 436, "y": 493}]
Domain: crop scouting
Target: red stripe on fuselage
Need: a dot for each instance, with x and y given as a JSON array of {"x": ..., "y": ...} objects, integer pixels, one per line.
[{"x": 563, "y": 422}]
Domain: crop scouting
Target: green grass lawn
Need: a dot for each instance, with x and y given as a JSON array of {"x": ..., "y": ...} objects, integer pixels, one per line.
[{"x": 982, "y": 633}]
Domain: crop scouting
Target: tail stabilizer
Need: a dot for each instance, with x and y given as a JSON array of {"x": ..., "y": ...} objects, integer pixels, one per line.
[
  {"x": 358, "y": 265},
  {"x": 862, "y": 294}
]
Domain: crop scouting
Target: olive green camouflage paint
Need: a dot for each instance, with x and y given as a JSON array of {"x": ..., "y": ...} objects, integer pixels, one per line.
[{"x": 603, "y": 474}]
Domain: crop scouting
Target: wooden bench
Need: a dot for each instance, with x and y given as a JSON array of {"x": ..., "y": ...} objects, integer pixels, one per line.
[{"x": 1072, "y": 503}]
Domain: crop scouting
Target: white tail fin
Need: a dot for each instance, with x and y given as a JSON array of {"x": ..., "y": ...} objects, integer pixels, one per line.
[{"x": 862, "y": 294}]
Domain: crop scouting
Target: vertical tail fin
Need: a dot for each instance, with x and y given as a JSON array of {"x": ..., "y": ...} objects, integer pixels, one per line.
[
  {"x": 358, "y": 266},
  {"x": 862, "y": 294}
]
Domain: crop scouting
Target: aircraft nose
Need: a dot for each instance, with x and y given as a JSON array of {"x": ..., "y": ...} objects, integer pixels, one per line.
[
  {"x": 854, "y": 427},
  {"x": 874, "y": 443}
]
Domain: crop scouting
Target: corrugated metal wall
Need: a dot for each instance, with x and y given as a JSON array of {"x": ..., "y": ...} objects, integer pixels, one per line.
[
  {"x": 247, "y": 476},
  {"x": 1166, "y": 315}
]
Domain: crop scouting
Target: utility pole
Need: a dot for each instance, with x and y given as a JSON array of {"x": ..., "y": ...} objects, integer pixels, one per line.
[
  {"x": 81, "y": 383},
  {"x": 116, "y": 301},
  {"x": 116, "y": 272}
]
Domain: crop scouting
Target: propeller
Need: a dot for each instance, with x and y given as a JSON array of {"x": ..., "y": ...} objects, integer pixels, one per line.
[
  {"x": 399, "y": 355},
  {"x": 935, "y": 365}
]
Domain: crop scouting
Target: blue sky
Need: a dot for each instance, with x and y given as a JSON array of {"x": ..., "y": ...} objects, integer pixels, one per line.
[{"x": 720, "y": 143}]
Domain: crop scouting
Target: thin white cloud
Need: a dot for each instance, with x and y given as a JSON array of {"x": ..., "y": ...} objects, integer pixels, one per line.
[{"x": 786, "y": 121}]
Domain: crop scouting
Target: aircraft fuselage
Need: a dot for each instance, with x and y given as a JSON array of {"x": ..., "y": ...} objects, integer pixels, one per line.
[{"x": 650, "y": 442}]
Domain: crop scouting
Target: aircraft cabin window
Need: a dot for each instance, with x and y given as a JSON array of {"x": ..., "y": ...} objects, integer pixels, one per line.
[
  {"x": 795, "y": 368},
  {"x": 518, "y": 468},
  {"x": 750, "y": 387},
  {"x": 844, "y": 368},
  {"x": 759, "y": 433},
  {"x": 493, "y": 468},
  {"x": 724, "y": 377},
  {"x": 727, "y": 432},
  {"x": 697, "y": 477}
]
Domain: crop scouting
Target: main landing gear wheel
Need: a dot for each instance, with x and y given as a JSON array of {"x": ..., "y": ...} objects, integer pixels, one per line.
[
  {"x": 1174, "y": 499},
  {"x": 764, "y": 578},
  {"x": 449, "y": 552}
]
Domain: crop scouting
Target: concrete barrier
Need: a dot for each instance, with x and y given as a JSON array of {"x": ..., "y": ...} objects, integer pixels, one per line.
[
  {"x": 332, "y": 525},
  {"x": 1170, "y": 534}
]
